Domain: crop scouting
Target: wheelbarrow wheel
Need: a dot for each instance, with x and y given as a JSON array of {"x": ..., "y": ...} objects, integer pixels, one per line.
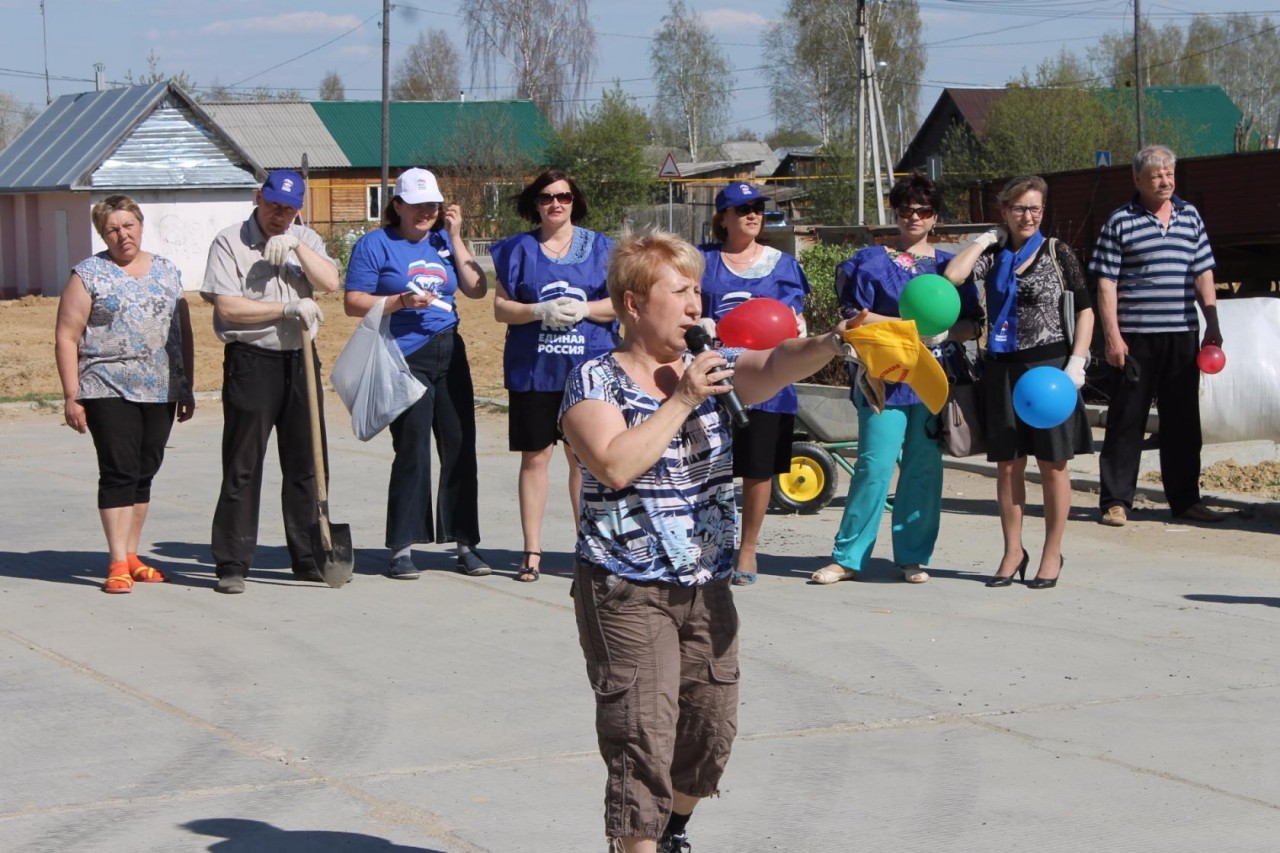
[{"x": 811, "y": 482}]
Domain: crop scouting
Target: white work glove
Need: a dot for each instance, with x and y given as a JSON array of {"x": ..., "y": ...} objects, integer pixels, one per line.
[
  {"x": 935, "y": 341},
  {"x": 1075, "y": 370},
  {"x": 994, "y": 237},
  {"x": 305, "y": 311},
  {"x": 802, "y": 328},
  {"x": 709, "y": 326},
  {"x": 574, "y": 308},
  {"x": 278, "y": 248},
  {"x": 552, "y": 315}
]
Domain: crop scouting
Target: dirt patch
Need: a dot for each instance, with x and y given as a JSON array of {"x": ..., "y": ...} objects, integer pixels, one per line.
[
  {"x": 1261, "y": 480},
  {"x": 27, "y": 369}
]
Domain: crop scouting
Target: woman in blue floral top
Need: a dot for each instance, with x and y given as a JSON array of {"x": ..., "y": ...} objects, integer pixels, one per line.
[
  {"x": 656, "y": 619},
  {"x": 900, "y": 430},
  {"x": 125, "y": 358}
]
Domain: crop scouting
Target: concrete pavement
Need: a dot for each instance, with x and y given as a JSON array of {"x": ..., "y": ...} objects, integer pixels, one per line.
[{"x": 1134, "y": 708}]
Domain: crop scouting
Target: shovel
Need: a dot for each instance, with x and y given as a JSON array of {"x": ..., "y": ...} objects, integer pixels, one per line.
[{"x": 330, "y": 543}]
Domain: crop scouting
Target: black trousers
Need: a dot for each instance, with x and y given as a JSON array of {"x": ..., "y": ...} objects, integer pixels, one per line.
[
  {"x": 129, "y": 439},
  {"x": 264, "y": 390},
  {"x": 1168, "y": 372},
  {"x": 446, "y": 411}
]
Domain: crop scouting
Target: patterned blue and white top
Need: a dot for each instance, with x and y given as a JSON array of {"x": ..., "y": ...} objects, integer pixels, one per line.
[
  {"x": 675, "y": 523},
  {"x": 132, "y": 344},
  {"x": 1154, "y": 267}
]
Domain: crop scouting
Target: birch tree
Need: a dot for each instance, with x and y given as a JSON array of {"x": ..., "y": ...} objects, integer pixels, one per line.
[
  {"x": 691, "y": 74},
  {"x": 550, "y": 45}
]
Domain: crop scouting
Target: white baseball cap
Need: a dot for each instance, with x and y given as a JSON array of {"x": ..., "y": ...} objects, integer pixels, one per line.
[{"x": 416, "y": 186}]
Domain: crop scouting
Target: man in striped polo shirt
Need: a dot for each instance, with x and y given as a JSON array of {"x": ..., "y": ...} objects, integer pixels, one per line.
[{"x": 1152, "y": 260}]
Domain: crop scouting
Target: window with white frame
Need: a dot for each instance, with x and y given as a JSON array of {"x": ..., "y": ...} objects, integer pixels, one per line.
[{"x": 373, "y": 210}]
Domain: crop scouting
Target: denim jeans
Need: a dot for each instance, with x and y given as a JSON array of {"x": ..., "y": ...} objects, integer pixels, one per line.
[{"x": 446, "y": 411}]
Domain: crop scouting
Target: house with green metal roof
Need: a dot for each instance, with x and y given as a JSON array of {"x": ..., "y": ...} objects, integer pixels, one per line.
[{"x": 480, "y": 150}]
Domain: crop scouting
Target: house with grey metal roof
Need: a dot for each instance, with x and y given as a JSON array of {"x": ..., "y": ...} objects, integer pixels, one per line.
[{"x": 152, "y": 143}]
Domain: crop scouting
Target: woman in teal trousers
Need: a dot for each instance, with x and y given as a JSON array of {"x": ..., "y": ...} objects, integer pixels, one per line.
[{"x": 902, "y": 431}]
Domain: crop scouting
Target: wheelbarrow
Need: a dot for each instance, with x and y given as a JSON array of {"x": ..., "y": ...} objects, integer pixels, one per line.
[{"x": 826, "y": 430}]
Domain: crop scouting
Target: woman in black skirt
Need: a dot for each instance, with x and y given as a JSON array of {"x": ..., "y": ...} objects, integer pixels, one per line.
[{"x": 1024, "y": 276}]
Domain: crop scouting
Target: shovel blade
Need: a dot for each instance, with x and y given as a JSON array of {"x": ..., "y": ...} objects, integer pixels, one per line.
[{"x": 337, "y": 562}]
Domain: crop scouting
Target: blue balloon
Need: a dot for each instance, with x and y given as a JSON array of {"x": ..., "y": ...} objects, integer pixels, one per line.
[{"x": 1044, "y": 397}]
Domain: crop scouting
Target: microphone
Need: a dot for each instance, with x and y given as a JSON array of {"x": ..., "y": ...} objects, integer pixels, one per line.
[{"x": 698, "y": 341}]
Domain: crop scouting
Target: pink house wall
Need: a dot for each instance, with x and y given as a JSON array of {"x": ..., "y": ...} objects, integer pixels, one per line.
[{"x": 34, "y": 258}]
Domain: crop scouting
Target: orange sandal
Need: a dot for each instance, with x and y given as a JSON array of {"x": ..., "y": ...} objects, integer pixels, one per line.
[
  {"x": 118, "y": 581},
  {"x": 146, "y": 574}
]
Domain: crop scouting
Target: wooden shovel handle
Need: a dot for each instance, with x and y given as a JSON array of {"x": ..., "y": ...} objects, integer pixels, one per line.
[{"x": 317, "y": 448}]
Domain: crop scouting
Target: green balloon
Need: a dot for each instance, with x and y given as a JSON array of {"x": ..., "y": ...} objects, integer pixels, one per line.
[{"x": 932, "y": 301}]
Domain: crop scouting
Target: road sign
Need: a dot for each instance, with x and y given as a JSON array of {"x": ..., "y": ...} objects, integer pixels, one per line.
[
  {"x": 669, "y": 168},
  {"x": 1101, "y": 158}
]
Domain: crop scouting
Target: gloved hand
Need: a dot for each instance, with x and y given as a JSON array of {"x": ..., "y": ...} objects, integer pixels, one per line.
[
  {"x": 802, "y": 326},
  {"x": 709, "y": 326},
  {"x": 1075, "y": 370},
  {"x": 994, "y": 237},
  {"x": 305, "y": 311},
  {"x": 552, "y": 315},
  {"x": 935, "y": 341},
  {"x": 278, "y": 248},
  {"x": 573, "y": 308}
]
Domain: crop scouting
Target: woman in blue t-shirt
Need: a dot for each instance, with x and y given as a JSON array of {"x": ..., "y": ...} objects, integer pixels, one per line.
[
  {"x": 900, "y": 430},
  {"x": 418, "y": 262},
  {"x": 551, "y": 294},
  {"x": 739, "y": 269}
]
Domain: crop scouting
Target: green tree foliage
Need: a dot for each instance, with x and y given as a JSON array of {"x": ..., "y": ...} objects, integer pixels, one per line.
[
  {"x": 812, "y": 63},
  {"x": 154, "y": 75},
  {"x": 790, "y": 137},
  {"x": 692, "y": 77},
  {"x": 1238, "y": 51},
  {"x": 604, "y": 151},
  {"x": 821, "y": 312},
  {"x": 428, "y": 71}
]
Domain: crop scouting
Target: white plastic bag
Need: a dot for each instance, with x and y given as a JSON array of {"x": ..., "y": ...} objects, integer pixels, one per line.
[
  {"x": 1242, "y": 403},
  {"x": 372, "y": 378}
]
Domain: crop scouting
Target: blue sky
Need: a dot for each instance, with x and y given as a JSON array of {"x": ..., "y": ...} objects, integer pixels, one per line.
[{"x": 969, "y": 42}]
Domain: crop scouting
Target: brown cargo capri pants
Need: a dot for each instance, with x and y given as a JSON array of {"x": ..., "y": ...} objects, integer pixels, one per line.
[{"x": 663, "y": 662}]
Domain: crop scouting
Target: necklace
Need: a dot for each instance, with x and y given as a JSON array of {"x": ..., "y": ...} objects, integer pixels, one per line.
[
  {"x": 739, "y": 261},
  {"x": 564, "y": 247}
]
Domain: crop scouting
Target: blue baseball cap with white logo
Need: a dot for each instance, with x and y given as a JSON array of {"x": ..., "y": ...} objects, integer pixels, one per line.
[
  {"x": 284, "y": 186},
  {"x": 736, "y": 194}
]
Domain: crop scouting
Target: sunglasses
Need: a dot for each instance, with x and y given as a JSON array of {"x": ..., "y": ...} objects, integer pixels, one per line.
[
  {"x": 906, "y": 211},
  {"x": 744, "y": 209},
  {"x": 547, "y": 198}
]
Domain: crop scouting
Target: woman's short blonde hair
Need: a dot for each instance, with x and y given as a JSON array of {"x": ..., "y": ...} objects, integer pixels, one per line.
[
  {"x": 1020, "y": 186},
  {"x": 109, "y": 205},
  {"x": 637, "y": 259}
]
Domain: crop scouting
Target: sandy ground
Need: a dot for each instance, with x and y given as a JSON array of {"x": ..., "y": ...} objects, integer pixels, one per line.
[{"x": 26, "y": 344}]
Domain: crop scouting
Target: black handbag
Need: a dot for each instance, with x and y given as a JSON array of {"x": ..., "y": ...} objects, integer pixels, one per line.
[{"x": 963, "y": 433}]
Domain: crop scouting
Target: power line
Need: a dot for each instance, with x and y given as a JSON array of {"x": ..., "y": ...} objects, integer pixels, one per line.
[{"x": 305, "y": 53}]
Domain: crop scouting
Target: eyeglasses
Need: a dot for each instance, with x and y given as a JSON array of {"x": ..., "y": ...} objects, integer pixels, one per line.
[
  {"x": 1021, "y": 210},
  {"x": 744, "y": 209},
  {"x": 906, "y": 212},
  {"x": 547, "y": 198}
]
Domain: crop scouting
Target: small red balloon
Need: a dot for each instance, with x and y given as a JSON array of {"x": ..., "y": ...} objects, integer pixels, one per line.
[
  {"x": 757, "y": 324},
  {"x": 1211, "y": 359}
]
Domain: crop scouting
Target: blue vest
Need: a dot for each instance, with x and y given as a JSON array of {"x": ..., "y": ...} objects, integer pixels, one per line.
[
  {"x": 538, "y": 359},
  {"x": 723, "y": 290}
]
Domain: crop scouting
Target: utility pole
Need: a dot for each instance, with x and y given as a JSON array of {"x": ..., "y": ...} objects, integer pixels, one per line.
[
  {"x": 870, "y": 122},
  {"x": 383, "y": 199},
  {"x": 44, "y": 39},
  {"x": 1137, "y": 67}
]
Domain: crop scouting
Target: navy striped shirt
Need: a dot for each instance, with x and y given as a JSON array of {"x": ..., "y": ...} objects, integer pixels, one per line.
[{"x": 1155, "y": 268}]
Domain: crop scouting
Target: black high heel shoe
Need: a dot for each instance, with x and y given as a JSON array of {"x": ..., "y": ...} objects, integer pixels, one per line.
[
  {"x": 1040, "y": 583},
  {"x": 1021, "y": 572}
]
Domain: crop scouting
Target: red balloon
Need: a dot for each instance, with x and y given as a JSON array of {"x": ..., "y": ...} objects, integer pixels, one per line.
[
  {"x": 1211, "y": 359},
  {"x": 757, "y": 324}
]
